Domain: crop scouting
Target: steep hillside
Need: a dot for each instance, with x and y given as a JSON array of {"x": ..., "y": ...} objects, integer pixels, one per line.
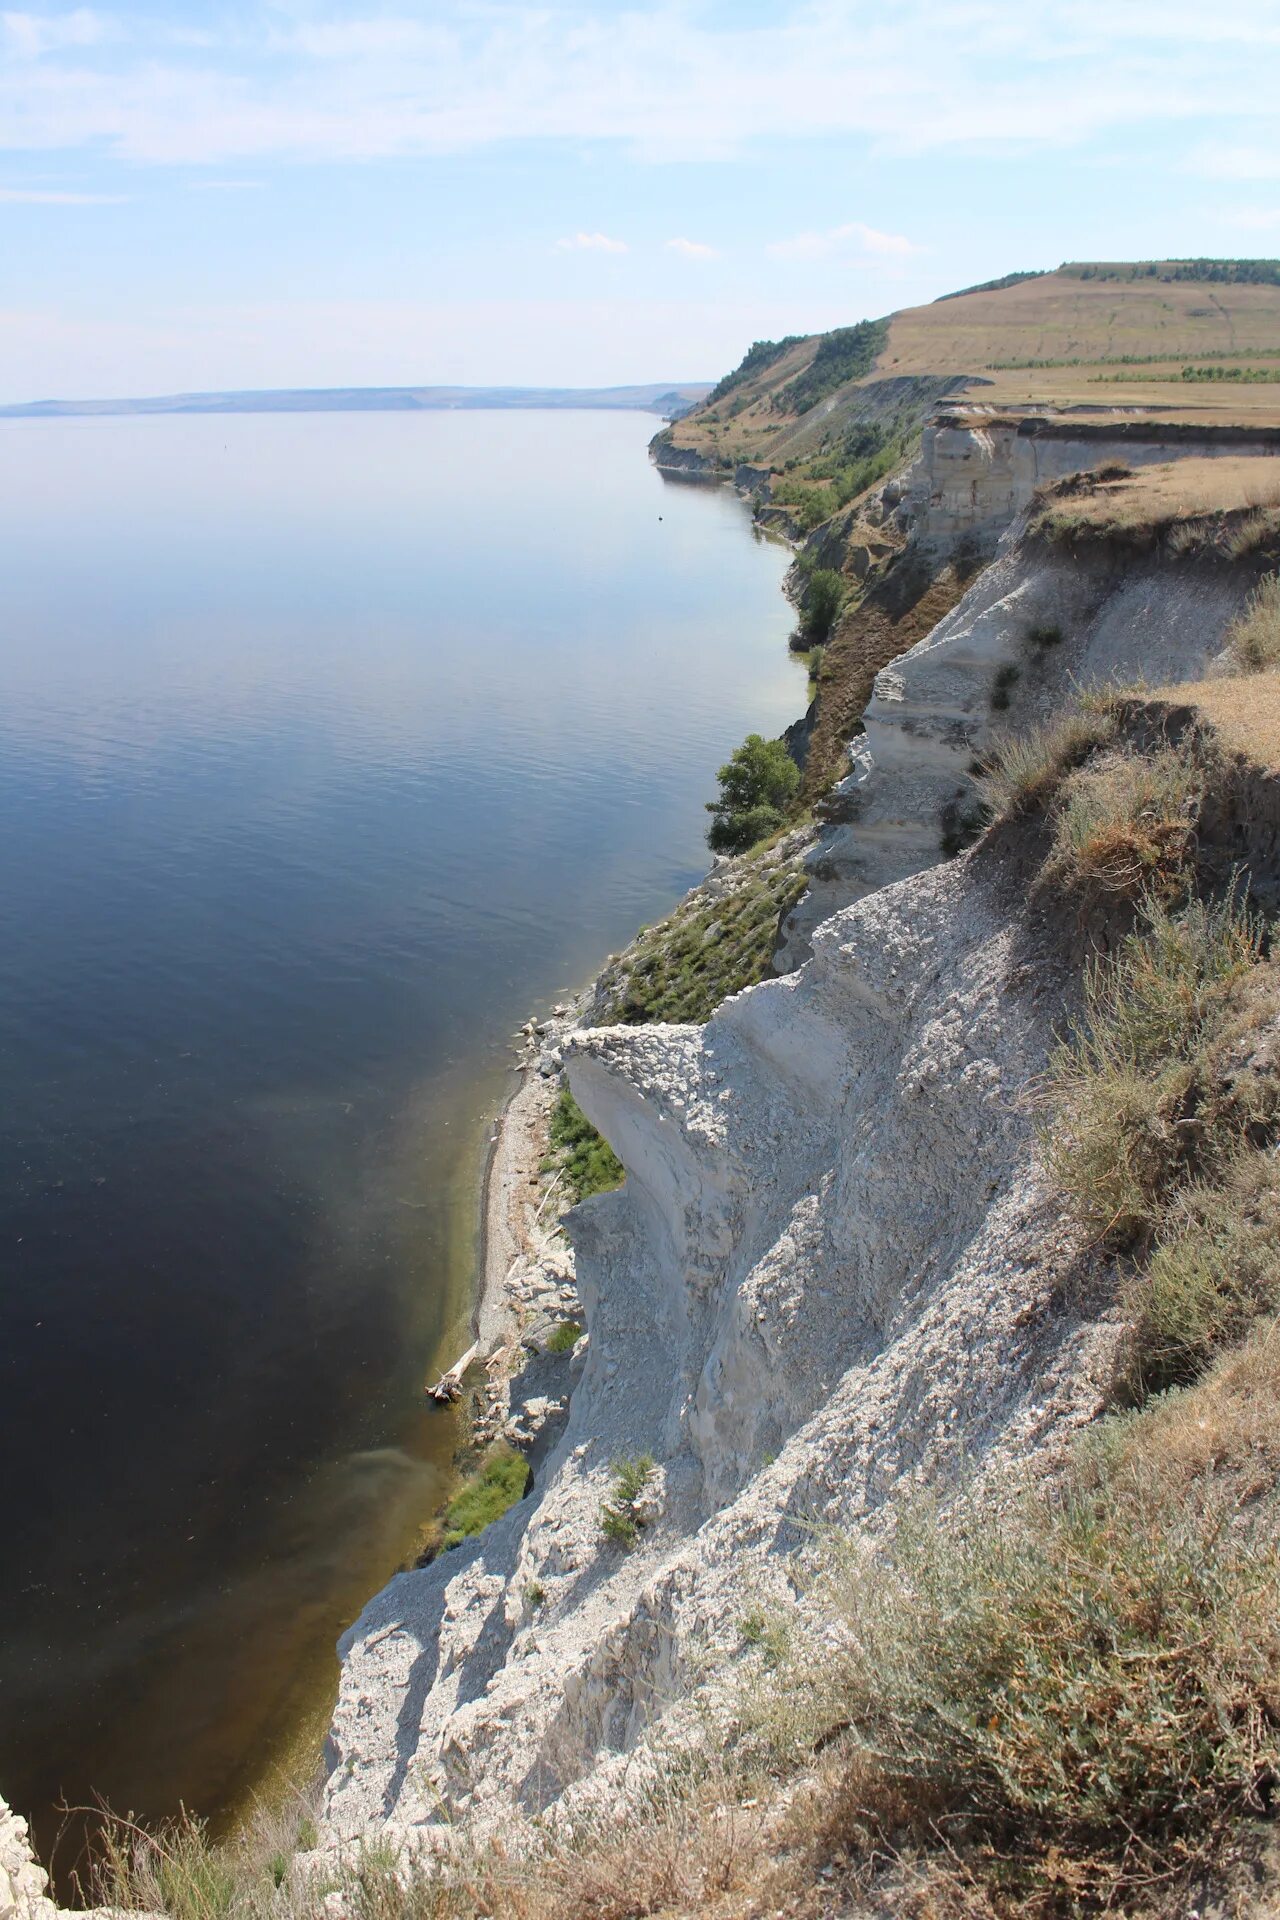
[{"x": 819, "y": 418}]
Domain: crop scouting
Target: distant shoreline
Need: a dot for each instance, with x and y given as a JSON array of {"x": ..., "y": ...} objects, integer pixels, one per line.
[{"x": 668, "y": 398}]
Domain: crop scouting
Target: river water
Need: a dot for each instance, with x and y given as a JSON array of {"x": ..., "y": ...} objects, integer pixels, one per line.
[{"x": 330, "y": 746}]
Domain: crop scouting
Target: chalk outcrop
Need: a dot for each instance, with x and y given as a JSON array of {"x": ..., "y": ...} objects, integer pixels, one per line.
[{"x": 833, "y": 1274}]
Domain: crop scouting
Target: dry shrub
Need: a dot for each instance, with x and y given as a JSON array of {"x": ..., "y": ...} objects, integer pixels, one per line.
[
  {"x": 1253, "y": 642},
  {"x": 1125, "y": 823},
  {"x": 1139, "y": 1098},
  {"x": 1077, "y": 1701}
]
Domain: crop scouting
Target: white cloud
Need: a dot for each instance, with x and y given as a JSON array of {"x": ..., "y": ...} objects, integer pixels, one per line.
[
  {"x": 591, "y": 243},
  {"x": 855, "y": 238},
  {"x": 30, "y": 35},
  {"x": 693, "y": 250},
  {"x": 657, "y": 76},
  {"x": 42, "y": 197}
]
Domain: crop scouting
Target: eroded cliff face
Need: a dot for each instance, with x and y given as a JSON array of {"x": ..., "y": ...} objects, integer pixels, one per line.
[
  {"x": 977, "y": 471},
  {"x": 834, "y": 1275},
  {"x": 1036, "y": 627}
]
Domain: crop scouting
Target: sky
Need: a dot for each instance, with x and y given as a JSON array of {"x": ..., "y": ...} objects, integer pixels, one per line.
[{"x": 493, "y": 192}]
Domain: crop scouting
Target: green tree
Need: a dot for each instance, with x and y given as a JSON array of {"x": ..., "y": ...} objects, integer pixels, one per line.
[
  {"x": 823, "y": 600},
  {"x": 756, "y": 787}
]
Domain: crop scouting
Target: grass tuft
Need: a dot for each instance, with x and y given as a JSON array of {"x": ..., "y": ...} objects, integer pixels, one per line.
[
  {"x": 1029, "y": 767},
  {"x": 1138, "y": 1098},
  {"x": 565, "y": 1338},
  {"x": 1253, "y": 641}
]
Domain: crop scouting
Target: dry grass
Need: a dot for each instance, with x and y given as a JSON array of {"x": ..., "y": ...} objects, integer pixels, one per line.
[
  {"x": 1092, "y": 322},
  {"x": 1079, "y": 1700},
  {"x": 1215, "y": 1268},
  {"x": 1124, "y": 824},
  {"x": 1028, "y": 768},
  {"x": 1243, "y": 712},
  {"x": 1145, "y": 1096},
  {"x": 1229, "y": 505},
  {"x": 692, "y": 1846}
]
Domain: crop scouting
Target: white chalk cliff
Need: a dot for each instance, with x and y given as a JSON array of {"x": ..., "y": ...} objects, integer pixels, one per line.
[
  {"x": 834, "y": 1276},
  {"x": 833, "y": 1273}
]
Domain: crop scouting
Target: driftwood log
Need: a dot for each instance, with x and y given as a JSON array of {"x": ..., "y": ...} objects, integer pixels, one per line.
[{"x": 449, "y": 1385}]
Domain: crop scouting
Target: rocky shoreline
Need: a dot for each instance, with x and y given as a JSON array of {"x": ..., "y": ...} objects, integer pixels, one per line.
[{"x": 526, "y": 1288}]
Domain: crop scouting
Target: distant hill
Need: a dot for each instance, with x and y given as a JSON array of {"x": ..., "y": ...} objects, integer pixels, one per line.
[
  {"x": 826, "y": 415},
  {"x": 667, "y": 397}
]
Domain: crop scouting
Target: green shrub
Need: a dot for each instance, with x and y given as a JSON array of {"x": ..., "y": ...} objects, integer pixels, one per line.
[
  {"x": 499, "y": 1481},
  {"x": 757, "y": 785},
  {"x": 1002, "y": 686},
  {"x": 1135, "y": 1100},
  {"x": 620, "y": 1520},
  {"x": 811, "y": 501},
  {"x": 843, "y": 355},
  {"x": 1254, "y": 640},
  {"x": 824, "y": 597},
  {"x": 565, "y": 1338},
  {"x": 583, "y": 1157},
  {"x": 1215, "y": 1268}
]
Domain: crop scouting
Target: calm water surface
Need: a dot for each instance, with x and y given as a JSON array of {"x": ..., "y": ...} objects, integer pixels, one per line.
[{"x": 329, "y": 747}]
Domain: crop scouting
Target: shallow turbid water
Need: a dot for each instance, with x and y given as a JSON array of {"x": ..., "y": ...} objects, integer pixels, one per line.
[{"x": 329, "y": 747}]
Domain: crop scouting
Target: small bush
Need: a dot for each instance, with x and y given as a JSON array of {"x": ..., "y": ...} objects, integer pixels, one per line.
[
  {"x": 1126, "y": 823},
  {"x": 1002, "y": 686},
  {"x": 582, "y": 1156},
  {"x": 757, "y": 785},
  {"x": 497, "y": 1484},
  {"x": 565, "y": 1338},
  {"x": 620, "y": 1515},
  {"x": 1135, "y": 1098},
  {"x": 1048, "y": 634},
  {"x": 1253, "y": 642}
]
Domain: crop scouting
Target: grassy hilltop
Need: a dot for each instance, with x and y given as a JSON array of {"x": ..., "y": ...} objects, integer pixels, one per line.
[{"x": 829, "y": 414}]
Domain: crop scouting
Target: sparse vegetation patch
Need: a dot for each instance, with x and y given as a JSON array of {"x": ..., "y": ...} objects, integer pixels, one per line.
[
  {"x": 498, "y": 1482},
  {"x": 581, "y": 1155}
]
